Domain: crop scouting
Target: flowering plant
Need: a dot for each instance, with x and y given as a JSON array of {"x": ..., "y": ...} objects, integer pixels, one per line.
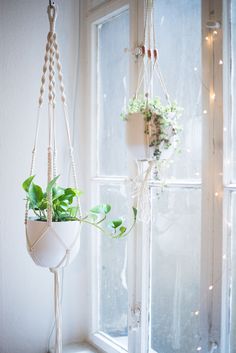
[{"x": 162, "y": 122}]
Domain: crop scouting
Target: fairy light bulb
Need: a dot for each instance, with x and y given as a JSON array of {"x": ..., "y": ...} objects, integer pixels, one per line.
[
  {"x": 197, "y": 312},
  {"x": 216, "y": 194},
  {"x": 199, "y": 348},
  {"x": 215, "y": 33},
  {"x": 220, "y": 62},
  {"x": 210, "y": 287},
  {"x": 207, "y": 38},
  {"x": 204, "y": 111},
  {"x": 213, "y": 96}
]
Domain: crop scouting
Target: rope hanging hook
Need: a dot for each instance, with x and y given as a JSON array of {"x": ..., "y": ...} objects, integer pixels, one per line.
[{"x": 52, "y": 16}]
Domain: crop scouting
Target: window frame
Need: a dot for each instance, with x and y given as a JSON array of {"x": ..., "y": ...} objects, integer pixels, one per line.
[{"x": 213, "y": 307}]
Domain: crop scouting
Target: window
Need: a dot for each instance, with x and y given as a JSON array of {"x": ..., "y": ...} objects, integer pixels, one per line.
[{"x": 171, "y": 286}]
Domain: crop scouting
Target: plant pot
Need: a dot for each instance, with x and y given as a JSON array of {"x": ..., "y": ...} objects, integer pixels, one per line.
[
  {"x": 136, "y": 138},
  {"x": 54, "y": 245}
]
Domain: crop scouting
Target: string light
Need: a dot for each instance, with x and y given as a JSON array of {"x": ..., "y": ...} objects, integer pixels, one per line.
[
  {"x": 197, "y": 312},
  {"x": 195, "y": 69},
  {"x": 213, "y": 96},
  {"x": 199, "y": 348},
  {"x": 215, "y": 32},
  {"x": 225, "y": 129},
  {"x": 207, "y": 38},
  {"x": 211, "y": 287},
  {"x": 220, "y": 62},
  {"x": 204, "y": 111},
  {"x": 224, "y": 257},
  {"x": 216, "y": 194}
]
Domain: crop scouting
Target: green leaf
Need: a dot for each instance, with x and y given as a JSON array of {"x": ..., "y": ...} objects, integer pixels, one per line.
[
  {"x": 73, "y": 211},
  {"x": 68, "y": 195},
  {"x": 57, "y": 191},
  {"x": 103, "y": 208},
  {"x": 26, "y": 184},
  {"x": 135, "y": 211},
  {"x": 43, "y": 204},
  {"x": 77, "y": 192},
  {"x": 122, "y": 230},
  {"x": 35, "y": 194},
  {"x": 115, "y": 223},
  {"x": 51, "y": 184}
]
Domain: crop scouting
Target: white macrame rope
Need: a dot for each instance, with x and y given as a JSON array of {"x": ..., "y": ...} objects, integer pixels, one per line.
[
  {"x": 57, "y": 309},
  {"x": 143, "y": 193},
  {"x": 65, "y": 111},
  {"x": 52, "y": 55}
]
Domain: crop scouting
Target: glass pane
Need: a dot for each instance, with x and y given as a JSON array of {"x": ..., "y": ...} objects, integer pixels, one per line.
[
  {"x": 113, "y": 271},
  {"x": 175, "y": 266},
  {"x": 113, "y": 81},
  {"x": 178, "y": 37},
  {"x": 233, "y": 86},
  {"x": 233, "y": 278}
]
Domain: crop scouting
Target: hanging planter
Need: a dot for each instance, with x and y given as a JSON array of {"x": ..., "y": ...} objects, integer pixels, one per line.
[
  {"x": 152, "y": 129},
  {"x": 53, "y": 234},
  {"x": 152, "y": 126}
]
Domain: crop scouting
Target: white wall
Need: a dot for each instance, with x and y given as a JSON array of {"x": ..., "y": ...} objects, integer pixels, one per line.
[{"x": 26, "y": 309}]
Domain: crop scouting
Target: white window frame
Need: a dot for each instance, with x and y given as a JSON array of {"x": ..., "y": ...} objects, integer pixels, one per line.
[{"x": 215, "y": 318}]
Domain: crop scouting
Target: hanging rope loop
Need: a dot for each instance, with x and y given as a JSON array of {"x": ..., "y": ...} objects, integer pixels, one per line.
[{"x": 52, "y": 17}]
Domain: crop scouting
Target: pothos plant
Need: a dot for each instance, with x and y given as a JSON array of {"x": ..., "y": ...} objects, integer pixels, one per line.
[
  {"x": 64, "y": 208},
  {"x": 162, "y": 122}
]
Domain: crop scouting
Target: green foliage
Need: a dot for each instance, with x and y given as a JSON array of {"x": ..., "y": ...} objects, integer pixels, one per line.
[
  {"x": 64, "y": 208},
  {"x": 162, "y": 121}
]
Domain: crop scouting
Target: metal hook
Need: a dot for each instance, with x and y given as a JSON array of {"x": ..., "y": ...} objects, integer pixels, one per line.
[{"x": 51, "y": 3}]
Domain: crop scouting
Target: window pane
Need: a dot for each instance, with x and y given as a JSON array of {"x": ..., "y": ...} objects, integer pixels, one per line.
[
  {"x": 113, "y": 81},
  {"x": 113, "y": 271},
  {"x": 175, "y": 280},
  {"x": 178, "y": 37}
]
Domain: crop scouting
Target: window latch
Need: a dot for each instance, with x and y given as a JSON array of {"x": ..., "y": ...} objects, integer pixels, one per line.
[
  {"x": 213, "y": 347},
  {"x": 136, "y": 316},
  {"x": 213, "y": 24}
]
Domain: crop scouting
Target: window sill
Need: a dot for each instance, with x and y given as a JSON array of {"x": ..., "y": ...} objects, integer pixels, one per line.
[{"x": 80, "y": 348}]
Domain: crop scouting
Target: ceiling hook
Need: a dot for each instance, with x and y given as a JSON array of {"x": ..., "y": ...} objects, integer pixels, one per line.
[{"x": 51, "y": 3}]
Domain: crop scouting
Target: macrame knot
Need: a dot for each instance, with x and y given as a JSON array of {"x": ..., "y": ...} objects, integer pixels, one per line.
[{"x": 52, "y": 17}]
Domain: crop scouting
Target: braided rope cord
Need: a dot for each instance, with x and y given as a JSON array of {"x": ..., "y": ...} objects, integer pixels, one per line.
[
  {"x": 150, "y": 66},
  {"x": 66, "y": 118},
  {"x": 52, "y": 56},
  {"x": 40, "y": 101}
]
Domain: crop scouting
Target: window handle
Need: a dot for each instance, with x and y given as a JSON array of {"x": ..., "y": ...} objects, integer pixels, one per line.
[{"x": 213, "y": 347}]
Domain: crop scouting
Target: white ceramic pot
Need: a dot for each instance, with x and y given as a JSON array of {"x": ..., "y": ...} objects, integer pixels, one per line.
[
  {"x": 53, "y": 245},
  {"x": 136, "y": 138}
]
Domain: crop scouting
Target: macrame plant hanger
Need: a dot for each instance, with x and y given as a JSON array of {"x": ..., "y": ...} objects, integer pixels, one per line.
[
  {"x": 48, "y": 234},
  {"x": 149, "y": 71}
]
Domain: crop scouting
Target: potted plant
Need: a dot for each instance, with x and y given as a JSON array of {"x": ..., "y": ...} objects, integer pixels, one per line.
[
  {"x": 152, "y": 128},
  {"x": 55, "y": 244}
]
